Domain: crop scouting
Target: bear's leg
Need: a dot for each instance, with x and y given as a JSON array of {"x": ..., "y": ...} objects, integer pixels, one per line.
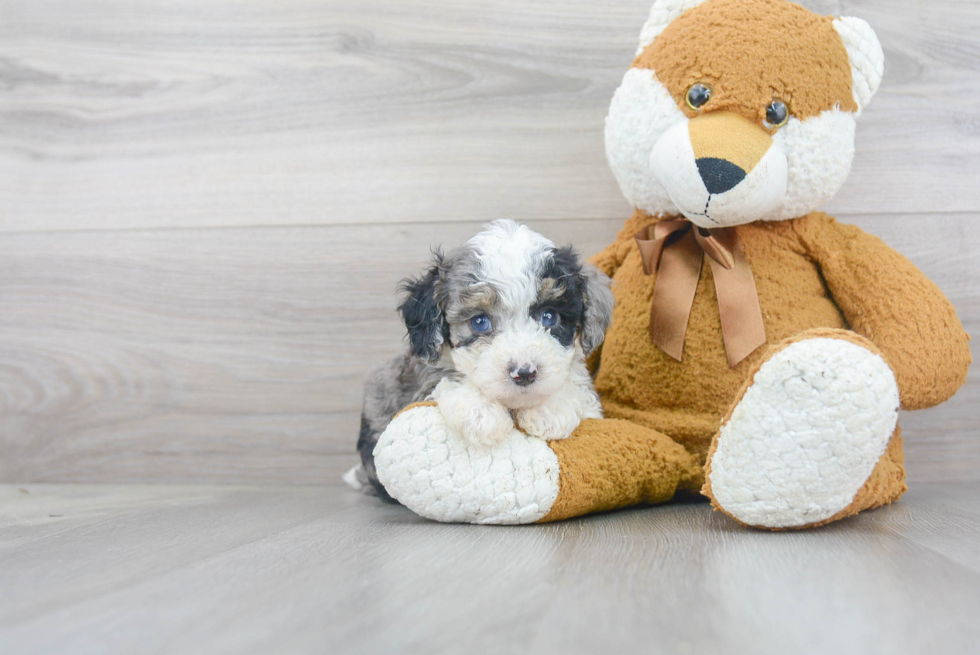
[
  {"x": 611, "y": 463},
  {"x": 605, "y": 464},
  {"x": 812, "y": 437}
]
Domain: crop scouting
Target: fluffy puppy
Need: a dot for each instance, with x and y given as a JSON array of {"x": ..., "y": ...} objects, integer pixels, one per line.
[{"x": 498, "y": 333}]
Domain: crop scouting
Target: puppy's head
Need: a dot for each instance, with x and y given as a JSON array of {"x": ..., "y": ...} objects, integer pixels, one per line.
[{"x": 511, "y": 310}]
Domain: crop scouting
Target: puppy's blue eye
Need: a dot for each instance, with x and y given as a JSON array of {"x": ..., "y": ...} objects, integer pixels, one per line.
[
  {"x": 480, "y": 323},
  {"x": 549, "y": 318}
]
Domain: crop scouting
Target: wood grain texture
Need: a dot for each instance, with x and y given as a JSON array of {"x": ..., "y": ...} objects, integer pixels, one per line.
[
  {"x": 226, "y": 113},
  {"x": 237, "y": 355},
  {"x": 161, "y": 570},
  {"x": 333, "y": 142}
]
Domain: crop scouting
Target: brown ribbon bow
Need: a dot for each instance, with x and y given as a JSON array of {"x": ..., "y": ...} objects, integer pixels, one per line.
[{"x": 674, "y": 249}]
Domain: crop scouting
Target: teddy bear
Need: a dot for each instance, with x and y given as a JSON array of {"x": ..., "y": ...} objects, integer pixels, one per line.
[{"x": 759, "y": 350}]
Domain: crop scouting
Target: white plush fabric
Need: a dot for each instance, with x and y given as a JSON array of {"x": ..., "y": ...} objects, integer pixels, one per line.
[
  {"x": 642, "y": 110},
  {"x": 645, "y": 130},
  {"x": 819, "y": 152},
  {"x": 660, "y": 177},
  {"x": 866, "y": 57},
  {"x": 662, "y": 14},
  {"x": 761, "y": 192},
  {"x": 806, "y": 435},
  {"x": 443, "y": 477}
]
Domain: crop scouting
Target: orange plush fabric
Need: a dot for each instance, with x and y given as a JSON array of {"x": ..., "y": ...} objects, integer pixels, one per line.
[
  {"x": 886, "y": 482},
  {"x": 608, "y": 464},
  {"x": 853, "y": 329},
  {"x": 811, "y": 272},
  {"x": 888, "y": 300},
  {"x": 751, "y": 52},
  {"x": 816, "y": 278},
  {"x": 687, "y": 399}
]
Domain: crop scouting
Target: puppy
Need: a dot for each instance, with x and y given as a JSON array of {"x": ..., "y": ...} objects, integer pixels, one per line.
[{"x": 498, "y": 333}]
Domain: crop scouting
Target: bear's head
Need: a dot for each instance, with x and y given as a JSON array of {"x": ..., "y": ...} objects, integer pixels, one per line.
[{"x": 740, "y": 110}]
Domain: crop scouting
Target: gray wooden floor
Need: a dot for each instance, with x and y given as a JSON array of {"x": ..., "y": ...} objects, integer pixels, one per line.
[{"x": 302, "y": 569}]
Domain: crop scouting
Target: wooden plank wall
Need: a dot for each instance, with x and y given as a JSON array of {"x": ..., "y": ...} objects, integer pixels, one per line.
[{"x": 205, "y": 206}]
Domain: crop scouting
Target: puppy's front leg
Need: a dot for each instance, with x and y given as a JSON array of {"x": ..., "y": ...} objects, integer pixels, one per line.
[
  {"x": 559, "y": 415},
  {"x": 471, "y": 414}
]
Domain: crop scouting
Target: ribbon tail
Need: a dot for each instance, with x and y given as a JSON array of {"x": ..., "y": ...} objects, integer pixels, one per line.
[
  {"x": 738, "y": 303},
  {"x": 673, "y": 294}
]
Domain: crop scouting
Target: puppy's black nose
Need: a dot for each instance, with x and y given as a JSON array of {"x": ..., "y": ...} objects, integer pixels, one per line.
[
  {"x": 719, "y": 175},
  {"x": 523, "y": 375}
]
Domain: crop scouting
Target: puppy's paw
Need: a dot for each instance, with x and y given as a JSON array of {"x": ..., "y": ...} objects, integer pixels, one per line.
[
  {"x": 469, "y": 414},
  {"x": 486, "y": 424},
  {"x": 548, "y": 421}
]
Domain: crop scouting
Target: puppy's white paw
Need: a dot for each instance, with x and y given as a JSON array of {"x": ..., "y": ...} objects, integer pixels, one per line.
[
  {"x": 469, "y": 413},
  {"x": 558, "y": 416},
  {"x": 486, "y": 424},
  {"x": 548, "y": 421}
]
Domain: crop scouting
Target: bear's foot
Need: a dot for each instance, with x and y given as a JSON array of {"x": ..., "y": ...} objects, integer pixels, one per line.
[
  {"x": 805, "y": 443},
  {"x": 443, "y": 477}
]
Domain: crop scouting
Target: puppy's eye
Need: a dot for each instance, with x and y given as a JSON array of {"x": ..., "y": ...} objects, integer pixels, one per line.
[
  {"x": 697, "y": 96},
  {"x": 481, "y": 323},
  {"x": 549, "y": 318},
  {"x": 777, "y": 113}
]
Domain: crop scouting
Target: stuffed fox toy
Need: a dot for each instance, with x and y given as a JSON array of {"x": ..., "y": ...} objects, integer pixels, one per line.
[{"x": 759, "y": 350}]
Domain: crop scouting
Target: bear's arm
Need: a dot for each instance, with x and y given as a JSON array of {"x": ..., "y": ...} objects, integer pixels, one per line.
[{"x": 885, "y": 298}]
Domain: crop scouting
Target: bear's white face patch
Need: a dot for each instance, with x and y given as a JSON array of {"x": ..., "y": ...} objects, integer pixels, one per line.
[
  {"x": 650, "y": 153},
  {"x": 641, "y": 111},
  {"x": 676, "y": 168},
  {"x": 819, "y": 152}
]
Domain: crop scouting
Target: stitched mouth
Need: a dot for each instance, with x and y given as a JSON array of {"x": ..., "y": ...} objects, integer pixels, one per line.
[{"x": 705, "y": 212}]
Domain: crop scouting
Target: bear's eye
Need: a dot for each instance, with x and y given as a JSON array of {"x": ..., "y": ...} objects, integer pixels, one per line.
[
  {"x": 698, "y": 95},
  {"x": 777, "y": 113}
]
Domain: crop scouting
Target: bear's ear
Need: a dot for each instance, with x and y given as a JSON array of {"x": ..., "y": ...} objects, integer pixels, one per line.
[
  {"x": 662, "y": 14},
  {"x": 866, "y": 57}
]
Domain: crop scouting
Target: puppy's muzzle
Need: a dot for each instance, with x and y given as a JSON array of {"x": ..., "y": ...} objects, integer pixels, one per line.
[{"x": 523, "y": 374}]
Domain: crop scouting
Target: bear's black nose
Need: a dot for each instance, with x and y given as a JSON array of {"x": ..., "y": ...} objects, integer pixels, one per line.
[{"x": 719, "y": 175}]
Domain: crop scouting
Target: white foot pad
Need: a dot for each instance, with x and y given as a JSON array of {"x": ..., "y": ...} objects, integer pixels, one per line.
[
  {"x": 806, "y": 435},
  {"x": 441, "y": 476}
]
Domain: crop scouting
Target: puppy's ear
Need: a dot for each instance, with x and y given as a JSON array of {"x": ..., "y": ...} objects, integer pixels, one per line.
[
  {"x": 427, "y": 327},
  {"x": 598, "y": 307}
]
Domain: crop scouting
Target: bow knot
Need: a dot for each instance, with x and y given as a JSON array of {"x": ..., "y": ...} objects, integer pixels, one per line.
[{"x": 674, "y": 249}]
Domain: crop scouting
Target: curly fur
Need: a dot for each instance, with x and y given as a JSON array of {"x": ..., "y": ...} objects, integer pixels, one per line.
[{"x": 513, "y": 276}]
